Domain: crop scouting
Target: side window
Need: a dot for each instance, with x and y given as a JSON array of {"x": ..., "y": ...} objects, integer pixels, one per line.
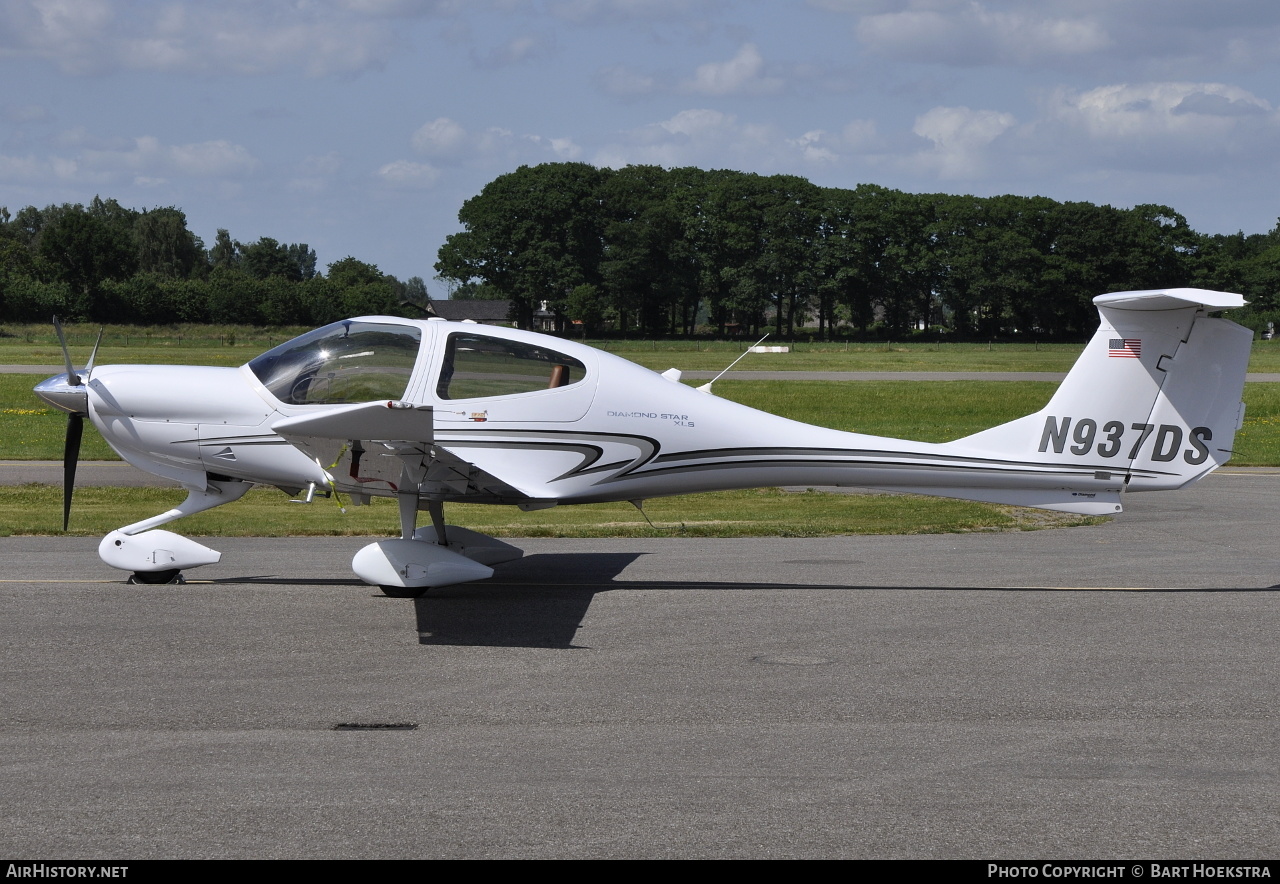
[
  {"x": 476, "y": 366},
  {"x": 344, "y": 362}
]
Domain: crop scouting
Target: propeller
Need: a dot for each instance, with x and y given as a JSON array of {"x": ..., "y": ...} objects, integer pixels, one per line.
[
  {"x": 70, "y": 457},
  {"x": 75, "y": 418}
]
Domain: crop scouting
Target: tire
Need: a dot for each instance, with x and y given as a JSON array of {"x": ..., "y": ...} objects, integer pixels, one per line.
[
  {"x": 403, "y": 592},
  {"x": 152, "y": 578}
]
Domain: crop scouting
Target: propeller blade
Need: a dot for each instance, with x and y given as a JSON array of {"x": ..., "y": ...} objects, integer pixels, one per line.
[
  {"x": 73, "y": 379},
  {"x": 70, "y": 457},
  {"x": 93, "y": 357}
]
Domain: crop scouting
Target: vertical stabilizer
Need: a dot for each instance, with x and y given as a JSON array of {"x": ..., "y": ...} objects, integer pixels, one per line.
[{"x": 1154, "y": 399}]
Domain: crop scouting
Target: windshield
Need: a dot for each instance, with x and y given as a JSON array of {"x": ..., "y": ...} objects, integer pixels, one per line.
[{"x": 344, "y": 362}]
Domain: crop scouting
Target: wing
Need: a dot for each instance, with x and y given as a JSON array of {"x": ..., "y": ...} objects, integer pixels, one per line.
[{"x": 378, "y": 448}]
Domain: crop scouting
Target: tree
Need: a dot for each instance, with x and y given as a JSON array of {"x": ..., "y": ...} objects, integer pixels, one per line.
[
  {"x": 586, "y": 306},
  {"x": 304, "y": 258},
  {"x": 534, "y": 234},
  {"x": 411, "y": 292},
  {"x": 165, "y": 246},
  {"x": 267, "y": 258},
  {"x": 993, "y": 252},
  {"x": 639, "y": 267},
  {"x": 85, "y": 249},
  {"x": 791, "y": 214},
  {"x": 225, "y": 251},
  {"x": 362, "y": 289}
]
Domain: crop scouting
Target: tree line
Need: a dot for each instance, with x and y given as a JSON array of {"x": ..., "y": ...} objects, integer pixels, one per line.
[
  {"x": 669, "y": 251},
  {"x": 107, "y": 263},
  {"x": 659, "y": 252}
]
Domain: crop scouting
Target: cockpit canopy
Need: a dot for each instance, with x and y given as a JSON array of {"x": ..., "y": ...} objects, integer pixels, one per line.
[{"x": 348, "y": 361}]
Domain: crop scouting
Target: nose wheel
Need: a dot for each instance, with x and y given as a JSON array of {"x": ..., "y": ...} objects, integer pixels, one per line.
[{"x": 172, "y": 576}]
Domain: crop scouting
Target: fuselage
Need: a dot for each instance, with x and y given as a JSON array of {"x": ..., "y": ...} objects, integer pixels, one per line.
[{"x": 556, "y": 421}]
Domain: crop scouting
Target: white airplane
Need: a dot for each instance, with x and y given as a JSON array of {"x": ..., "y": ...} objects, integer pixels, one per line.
[{"x": 429, "y": 412}]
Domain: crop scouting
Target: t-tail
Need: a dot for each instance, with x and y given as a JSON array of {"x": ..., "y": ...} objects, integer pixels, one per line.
[{"x": 1152, "y": 404}]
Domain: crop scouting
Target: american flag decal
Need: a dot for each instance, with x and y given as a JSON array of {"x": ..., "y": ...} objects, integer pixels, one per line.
[{"x": 1125, "y": 347}]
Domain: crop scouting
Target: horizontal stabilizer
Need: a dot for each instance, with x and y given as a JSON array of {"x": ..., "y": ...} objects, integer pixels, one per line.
[{"x": 1170, "y": 299}]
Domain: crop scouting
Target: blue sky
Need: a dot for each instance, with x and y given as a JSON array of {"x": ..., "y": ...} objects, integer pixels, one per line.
[{"x": 360, "y": 126}]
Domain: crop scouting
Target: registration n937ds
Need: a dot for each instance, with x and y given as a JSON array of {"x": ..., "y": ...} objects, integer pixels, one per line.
[{"x": 1086, "y": 437}]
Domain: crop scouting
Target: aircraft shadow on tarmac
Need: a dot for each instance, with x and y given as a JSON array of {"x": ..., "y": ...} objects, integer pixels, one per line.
[
  {"x": 535, "y": 602},
  {"x": 539, "y": 601}
]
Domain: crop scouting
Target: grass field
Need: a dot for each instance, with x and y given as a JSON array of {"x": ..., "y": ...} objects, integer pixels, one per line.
[
  {"x": 927, "y": 412},
  {"x": 930, "y": 412},
  {"x": 768, "y": 512},
  {"x": 235, "y": 345}
]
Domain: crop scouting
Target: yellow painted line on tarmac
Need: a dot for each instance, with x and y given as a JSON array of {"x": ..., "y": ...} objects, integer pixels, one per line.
[{"x": 640, "y": 583}]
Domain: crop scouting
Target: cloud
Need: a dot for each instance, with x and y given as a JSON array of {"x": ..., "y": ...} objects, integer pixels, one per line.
[
  {"x": 25, "y": 113},
  {"x": 403, "y": 173},
  {"x": 217, "y": 159},
  {"x": 448, "y": 143},
  {"x": 811, "y": 145},
  {"x": 698, "y": 123},
  {"x": 564, "y": 148},
  {"x": 1168, "y": 114},
  {"x": 222, "y": 36},
  {"x": 1218, "y": 105},
  {"x": 66, "y": 30},
  {"x": 142, "y": 159},
  {"x": 1173, "y": 136},
  {"x": 742, "y": 74},
  {"x": 623, "y": 82},
  {"x": 611, "y": 11},
  {"x": 973, "y": 34},
  {"x": 147, "y": 155},
  {"x": 315, "y": 173},
  {"x": 442, "y": 137},
  {"x": 404, "y": 8},
  {"x": 21, "y": 169},
  {"x": 1160, "y": 37},
  {"x": 960, "y": 139},
  {"x": 716, "y": 140},
  {"x": 518, "y": 50}
]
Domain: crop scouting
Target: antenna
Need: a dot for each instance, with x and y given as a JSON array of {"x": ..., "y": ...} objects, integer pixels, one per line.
[{"x": 706, "y": 388}]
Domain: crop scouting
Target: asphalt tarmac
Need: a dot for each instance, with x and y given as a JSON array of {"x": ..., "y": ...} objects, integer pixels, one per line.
[{"x": 1086, "y": 693}]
